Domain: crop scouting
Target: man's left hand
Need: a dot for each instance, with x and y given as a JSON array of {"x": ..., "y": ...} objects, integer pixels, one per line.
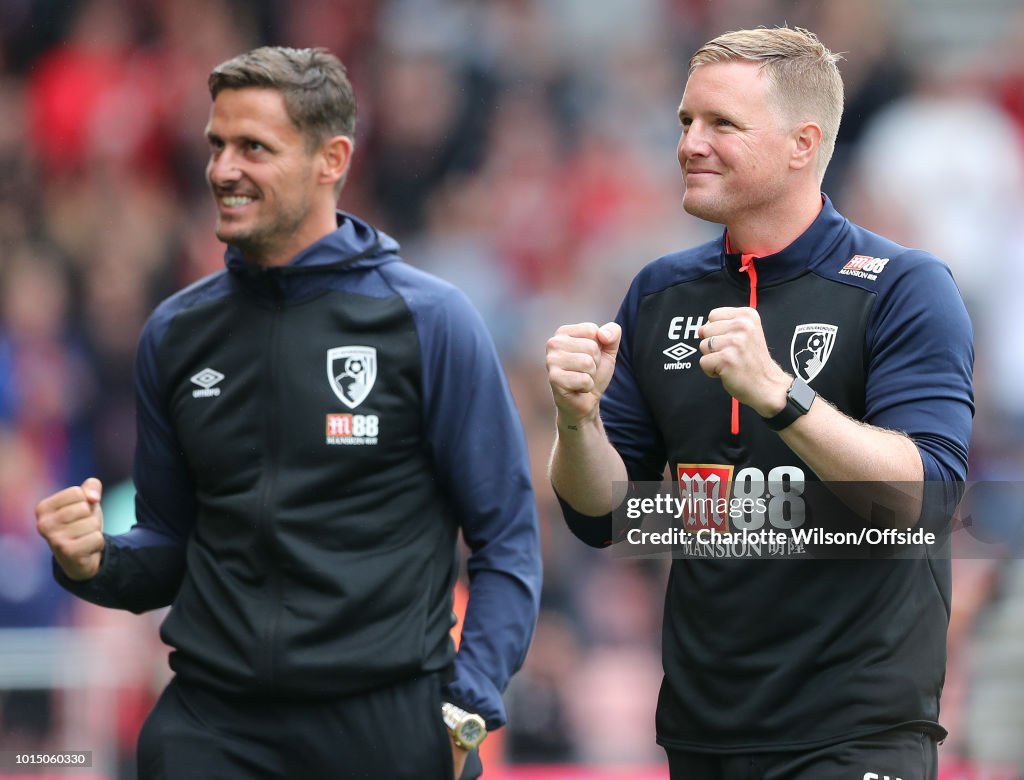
[{"x": 734, "y": 350}]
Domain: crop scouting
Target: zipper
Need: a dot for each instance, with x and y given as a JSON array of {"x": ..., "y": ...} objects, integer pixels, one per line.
[
  {"x": 272, "y": 436},
  {"x": 746, "y": 267}
]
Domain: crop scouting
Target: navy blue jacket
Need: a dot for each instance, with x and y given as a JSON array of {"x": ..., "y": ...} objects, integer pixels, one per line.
[
  {"x": 769, "y": 654},
  {"x": 311, "y": 439}
]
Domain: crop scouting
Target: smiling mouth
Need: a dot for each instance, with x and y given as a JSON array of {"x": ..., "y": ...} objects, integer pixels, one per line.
[{"x": 236, "y": 201}]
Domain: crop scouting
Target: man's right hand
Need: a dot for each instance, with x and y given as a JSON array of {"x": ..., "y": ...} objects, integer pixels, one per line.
[
  {"x": 71, "y": 522},
  {"x": 580, "y": 362}
]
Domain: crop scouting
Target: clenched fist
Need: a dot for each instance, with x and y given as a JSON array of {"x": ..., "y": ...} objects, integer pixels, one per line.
[
  {"x": 580, "y": 362},
  {"x": 734, "y": 350},
  {"x": 71, "y": 522}
]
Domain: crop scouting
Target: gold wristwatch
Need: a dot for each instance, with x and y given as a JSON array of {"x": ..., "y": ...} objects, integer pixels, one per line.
[{"x": 467, "y": 728}]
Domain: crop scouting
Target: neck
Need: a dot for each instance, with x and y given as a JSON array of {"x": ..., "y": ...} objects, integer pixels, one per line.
[
  {"x": 762, "y": 234},
  {"x": 308, "y": 233}
]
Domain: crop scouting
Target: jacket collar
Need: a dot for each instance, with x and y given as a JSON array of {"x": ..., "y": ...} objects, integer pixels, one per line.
[
  {"x": 810, "y": 248},
  {"x": 354, "y": 245},
  {"x": 354, "y": 241}
]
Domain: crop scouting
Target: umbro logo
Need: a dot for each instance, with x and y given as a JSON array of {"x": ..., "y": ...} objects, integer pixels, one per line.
[
  {"x": 682, "y": 327},
  {"x": 678, "y": 352},
  {"x": 206, "y": 379}
]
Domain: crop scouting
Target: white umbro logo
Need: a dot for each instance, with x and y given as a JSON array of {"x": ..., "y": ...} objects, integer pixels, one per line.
[
  {"x": 206, "y": 379},
  {"x": 678, "y": 352}
]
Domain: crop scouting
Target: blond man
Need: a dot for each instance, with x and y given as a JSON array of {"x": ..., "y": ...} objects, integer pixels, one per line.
[{"x": 794, "y": 351}]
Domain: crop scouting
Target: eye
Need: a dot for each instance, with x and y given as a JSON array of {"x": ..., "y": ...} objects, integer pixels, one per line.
[
  {"x": 723, "y": 122},
  {"x": 685, "y": 121},
  {"x": 216, "y": 144},
  {"x": 255, "y": 146}
]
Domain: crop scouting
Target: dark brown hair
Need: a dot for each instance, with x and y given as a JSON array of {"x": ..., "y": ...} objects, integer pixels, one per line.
[{"x": 313, "y": 83}]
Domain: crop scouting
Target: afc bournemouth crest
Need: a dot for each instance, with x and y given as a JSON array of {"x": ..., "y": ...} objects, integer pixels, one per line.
[
  {"x": 352, "y": 372},
  {"x": 811, "y": 346}
]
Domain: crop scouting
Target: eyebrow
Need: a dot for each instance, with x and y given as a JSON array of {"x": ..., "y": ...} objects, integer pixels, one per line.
[
  {"x": 684, "y": 114},
  {"x": 244, "y": 139}
]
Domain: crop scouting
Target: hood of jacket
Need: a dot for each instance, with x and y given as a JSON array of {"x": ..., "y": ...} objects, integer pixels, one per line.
[{"x": 354, "y": 244}]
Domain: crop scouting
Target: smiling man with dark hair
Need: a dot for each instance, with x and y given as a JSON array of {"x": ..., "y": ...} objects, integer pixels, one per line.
[{"x": 316, "y": 425}]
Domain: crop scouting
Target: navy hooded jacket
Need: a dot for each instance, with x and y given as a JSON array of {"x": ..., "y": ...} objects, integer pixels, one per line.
[{"x": 311, "y": 440}]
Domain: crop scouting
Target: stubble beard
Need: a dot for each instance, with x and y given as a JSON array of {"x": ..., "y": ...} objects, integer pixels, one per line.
[
  {"x": 723, "y": 208},
  {"x": 712, "y": 208},
  {"x": 264, "y": 240}
]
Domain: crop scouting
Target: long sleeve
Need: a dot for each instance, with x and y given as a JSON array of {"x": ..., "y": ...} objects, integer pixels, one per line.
[
  {"x": 630, "y": 428},
  {"x": 921, "y": 363},
  {"x": 143, "y": 568},
  {"x": 477, "y": 442}
]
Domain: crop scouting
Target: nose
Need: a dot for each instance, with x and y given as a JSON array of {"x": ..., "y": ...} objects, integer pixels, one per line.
[
  {"x": 692, "y": 142},
  {"x": 222, "y": 169}
]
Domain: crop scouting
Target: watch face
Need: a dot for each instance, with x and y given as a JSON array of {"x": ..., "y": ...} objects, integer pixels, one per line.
[
  {"x": 470, "y": 732},
  {"x": 802, "y": 395}
]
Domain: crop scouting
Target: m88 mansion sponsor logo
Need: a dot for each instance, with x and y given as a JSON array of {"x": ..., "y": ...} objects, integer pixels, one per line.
[
  {"x": 727, "y": 513},
  {"x": 718, "y": 497},
  {"x": 864, "y": 267},
  {"x": 352, "y": 429}
]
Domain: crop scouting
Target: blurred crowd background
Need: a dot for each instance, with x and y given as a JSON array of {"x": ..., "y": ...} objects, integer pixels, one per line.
[{"x": 525, "y": 150}]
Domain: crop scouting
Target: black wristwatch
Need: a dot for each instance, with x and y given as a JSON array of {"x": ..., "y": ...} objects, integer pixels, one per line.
[{"x": 798, "y": 403}]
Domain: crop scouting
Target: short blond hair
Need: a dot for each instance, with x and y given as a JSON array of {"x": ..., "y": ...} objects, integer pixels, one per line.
[{"x": 802, "y": 73}]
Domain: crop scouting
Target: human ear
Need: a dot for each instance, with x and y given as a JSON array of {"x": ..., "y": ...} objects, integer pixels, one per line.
[
  {"x": 335, "y": 156},
  {"x": 806, "y": 145}
]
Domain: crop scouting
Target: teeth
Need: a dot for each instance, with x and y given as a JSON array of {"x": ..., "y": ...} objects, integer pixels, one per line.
[{"x": 236, "y": 200}]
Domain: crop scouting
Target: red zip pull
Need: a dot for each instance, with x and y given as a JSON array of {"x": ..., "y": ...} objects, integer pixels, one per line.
[{"x": 747, "y": 267}]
